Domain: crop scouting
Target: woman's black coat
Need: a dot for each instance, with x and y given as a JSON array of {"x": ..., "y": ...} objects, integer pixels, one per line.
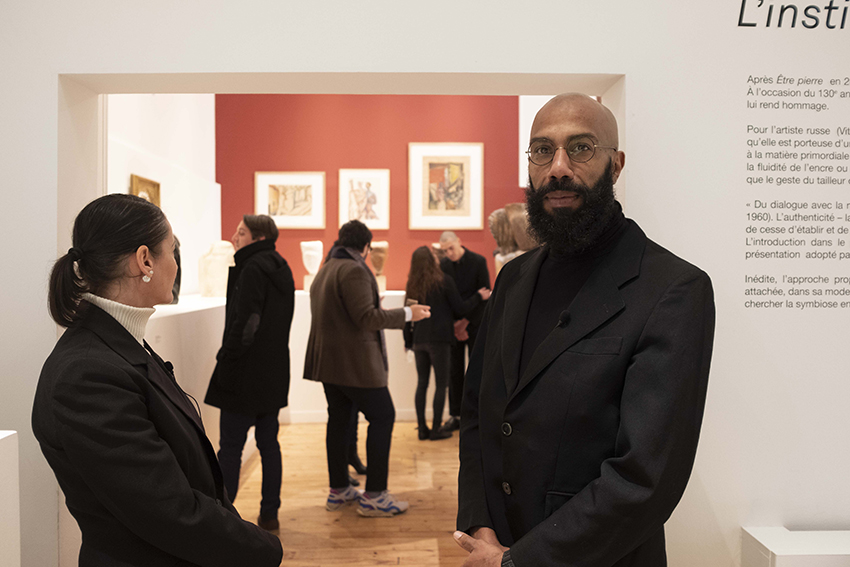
[
  {"x": 252, "y": 373},
  {"x": 130, "y": 453},
  {"x": 446, "y": 307}
]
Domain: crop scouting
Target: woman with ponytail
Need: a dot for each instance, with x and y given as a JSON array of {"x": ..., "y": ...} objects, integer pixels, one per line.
[
  {"x": 125, "y": 442},
  {"x": 433, "y": 337}
]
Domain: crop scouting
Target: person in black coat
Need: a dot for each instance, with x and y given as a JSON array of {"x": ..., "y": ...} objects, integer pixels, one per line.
[
  {"x": 585, "y": 393},
  {"x": 250, "y": 382},
  {"x": 469, "y": 270},
  {"x": 126, "y": 444},
  {"x": 432, "y": 338}
]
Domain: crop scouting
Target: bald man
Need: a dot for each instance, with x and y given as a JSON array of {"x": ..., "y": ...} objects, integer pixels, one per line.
[{"x": 584, "y": 396}]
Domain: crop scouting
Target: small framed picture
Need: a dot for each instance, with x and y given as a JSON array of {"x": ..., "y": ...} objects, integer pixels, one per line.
[
  {"x": 294, "y": 199},
  {"x": 446, "y": 186},
  {"x": 364, "y": 195},
  {"x": 145, "y": 188}
]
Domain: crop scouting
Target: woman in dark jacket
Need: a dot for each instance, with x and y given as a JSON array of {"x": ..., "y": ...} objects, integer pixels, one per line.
[
  {"x": 125, "y": 442},
  {"x": 251, "y": 379},
  {"x": 433, "y": 337}
]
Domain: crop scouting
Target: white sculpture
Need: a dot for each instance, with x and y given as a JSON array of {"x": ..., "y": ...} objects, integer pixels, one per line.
[
  {"x": 312, "y": 253},
  {"x": 213, "y": 269}
]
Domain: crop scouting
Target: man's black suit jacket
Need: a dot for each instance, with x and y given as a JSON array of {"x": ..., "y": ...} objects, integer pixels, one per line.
[
  {"x": 470, "y": 274},
  {"x": 583, "y": 462},
  {"x": 130, "y": 454}
]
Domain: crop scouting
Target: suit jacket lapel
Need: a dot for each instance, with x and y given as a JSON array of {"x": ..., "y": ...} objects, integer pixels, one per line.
[
  {"x": 516, "y": 314},
  {"x": 121, "y": 341},
  {"x": 165, "y": 381},
  {"x": 598, "y": 300}
]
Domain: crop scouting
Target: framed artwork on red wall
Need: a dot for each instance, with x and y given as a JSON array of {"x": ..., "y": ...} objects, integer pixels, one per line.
[
  {"x": 446, "y": 186},
  {"x": 364, "y": 195},
  {"x": 294, "y": 199}
]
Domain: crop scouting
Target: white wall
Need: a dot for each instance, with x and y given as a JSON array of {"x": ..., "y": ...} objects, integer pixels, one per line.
[
  {"x": 528, "y": 107},
  {"x": 170, "y": 138},
  {"x": 776, "y": 420},
  {"x": 10, "y": 521}
]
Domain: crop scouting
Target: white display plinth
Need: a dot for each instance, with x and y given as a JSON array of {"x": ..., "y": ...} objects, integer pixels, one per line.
[
  {"x": 307, "y": 403},
  {"x": 781, "y": 547},
  {"x": 10, "y": 507}
]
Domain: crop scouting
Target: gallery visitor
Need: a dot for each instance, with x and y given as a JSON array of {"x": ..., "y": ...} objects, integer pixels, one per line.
[
  {"x": 585, "y": 393},
  {"x": 346, "y": 351},
  {"x": 470, "y": 273},
  {"x": 126, "y": 444},
  {"x": 432, "y": 338},
  {"x": 250, "y": 383}
]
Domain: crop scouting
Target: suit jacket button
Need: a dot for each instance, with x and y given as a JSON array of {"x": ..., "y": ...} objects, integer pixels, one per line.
[
  {"x": 506, "y": 487},
  {"x": 506, "y": 429}
]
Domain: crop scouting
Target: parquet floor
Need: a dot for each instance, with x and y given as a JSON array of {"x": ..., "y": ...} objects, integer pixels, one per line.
[{"x": 422, "y": 472}]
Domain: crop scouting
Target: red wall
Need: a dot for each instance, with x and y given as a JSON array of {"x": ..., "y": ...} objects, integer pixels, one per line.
[{"x": 283, "y": 132}]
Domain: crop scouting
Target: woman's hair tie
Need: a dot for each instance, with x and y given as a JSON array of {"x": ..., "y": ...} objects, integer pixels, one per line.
[{"x": 75, "y": 253}]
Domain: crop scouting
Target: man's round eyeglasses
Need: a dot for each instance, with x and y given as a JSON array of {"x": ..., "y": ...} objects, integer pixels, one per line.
[{"x": 580, "y": 150}]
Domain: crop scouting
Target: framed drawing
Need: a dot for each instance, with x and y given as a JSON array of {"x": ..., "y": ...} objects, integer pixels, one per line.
[
  {"x": 294, "y": 199},
  {"x": 144, "y": 188},
  {"x": 364, "y": 194},
  {"x": 446, "y": 186}
]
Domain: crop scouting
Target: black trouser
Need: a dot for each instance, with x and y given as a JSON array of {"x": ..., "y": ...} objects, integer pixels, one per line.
[
  {"x": 427, "y": 355},
  {"x": 376, "y": 405},
  {"x": 458, "y": 370},
  {"x": 233, "y": 430},
  {"x": 352, "y": 428}
]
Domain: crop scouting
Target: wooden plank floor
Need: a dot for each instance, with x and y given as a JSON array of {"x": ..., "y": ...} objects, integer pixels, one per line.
[{"x": 422, "y": 472}]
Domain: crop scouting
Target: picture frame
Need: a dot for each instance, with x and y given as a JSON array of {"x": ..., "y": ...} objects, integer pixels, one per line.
[
  {"x": 364, "y": 194},
  {"x": 147, "y": 189},
  {"x": 294, "y": 199},
  {"x": 446, "y": 183}
]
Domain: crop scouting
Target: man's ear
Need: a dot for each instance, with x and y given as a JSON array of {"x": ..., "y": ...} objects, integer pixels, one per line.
[{"x": 619, "y": 161}]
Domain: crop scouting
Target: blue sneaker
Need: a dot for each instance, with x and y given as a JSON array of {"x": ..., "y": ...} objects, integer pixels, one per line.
[
  {"x": 337, "y": 500},
  {"x": 384, "y": 505}
]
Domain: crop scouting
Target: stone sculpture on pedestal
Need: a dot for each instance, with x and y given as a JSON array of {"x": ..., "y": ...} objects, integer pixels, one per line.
[
  {"x": 213, "y": 269},
  {"x": 312, "y": 253}
]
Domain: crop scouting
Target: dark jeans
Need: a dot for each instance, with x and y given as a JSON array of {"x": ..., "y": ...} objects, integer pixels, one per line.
[
  {"x": 233, "y": 432},
  {"x": 427, "y": 355},
  {"x": 458, "y": 371},
  {"x": 376, "y": 405}
]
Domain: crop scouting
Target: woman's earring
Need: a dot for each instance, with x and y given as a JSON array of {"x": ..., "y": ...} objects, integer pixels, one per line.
[{"x": 147, "y": 278}]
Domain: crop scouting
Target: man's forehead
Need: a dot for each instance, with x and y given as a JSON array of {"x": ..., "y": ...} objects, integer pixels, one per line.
[{"x": 573, "y": 115}]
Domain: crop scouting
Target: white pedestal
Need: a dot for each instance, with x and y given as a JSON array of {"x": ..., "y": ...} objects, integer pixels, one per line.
[
  {"x": 780, "y": 547},
  {"x": 10, "y": 506}
]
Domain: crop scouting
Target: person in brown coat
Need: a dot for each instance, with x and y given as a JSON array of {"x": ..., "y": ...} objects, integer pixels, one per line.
[{"x": 346, "y": 351}]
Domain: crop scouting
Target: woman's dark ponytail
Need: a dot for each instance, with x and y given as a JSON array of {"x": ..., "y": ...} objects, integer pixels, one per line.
[
  {"x": 66, "y": 289},
  {"x": 105, "y": 232}
]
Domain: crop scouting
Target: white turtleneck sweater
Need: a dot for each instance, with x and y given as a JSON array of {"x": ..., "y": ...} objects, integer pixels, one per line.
[{"x": 134, "y": 319}]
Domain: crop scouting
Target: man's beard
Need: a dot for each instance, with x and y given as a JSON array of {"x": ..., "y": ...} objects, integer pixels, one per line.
[{"x": 567, "y": 230}]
